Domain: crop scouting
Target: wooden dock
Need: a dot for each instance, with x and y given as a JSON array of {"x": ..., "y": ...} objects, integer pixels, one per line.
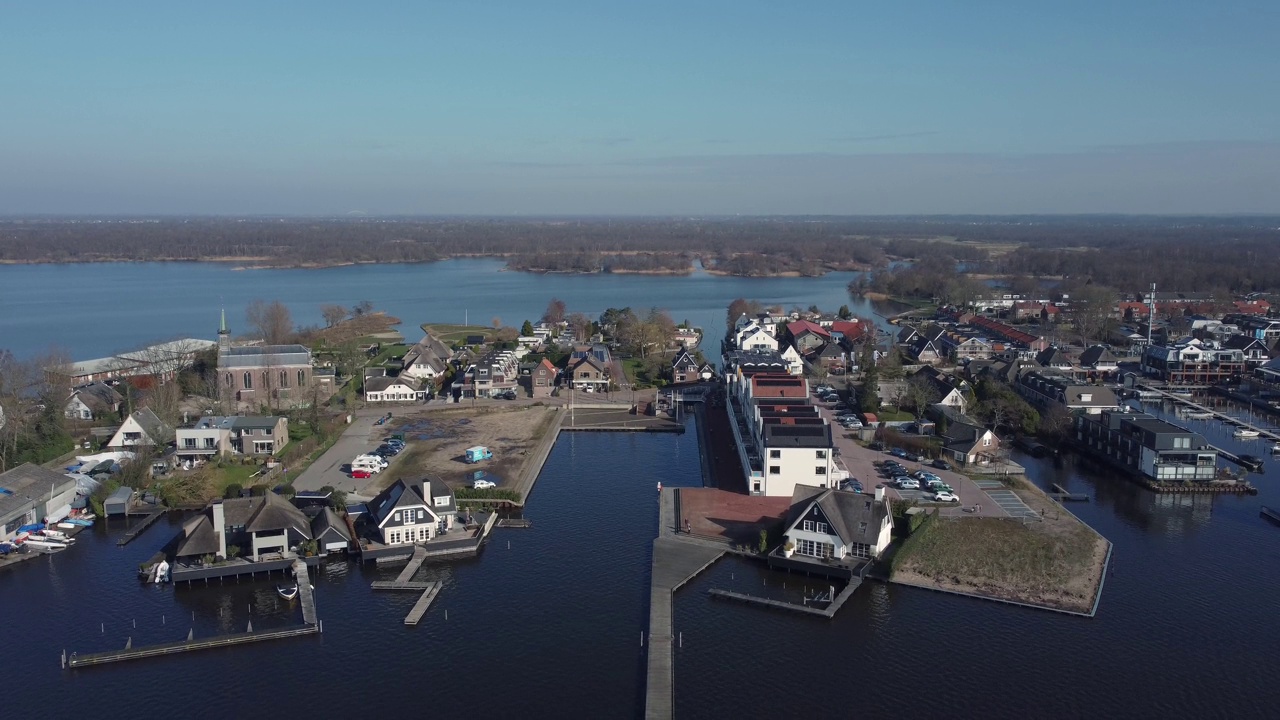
[
  {"x": 220, "y": 641},
  {"x": 424, "y": 603},
  {"x": 305, "y": 593},
  {"x": 1060, "y": 493},
  {"x": 827, "y": 612},
  {"x": 1270, "y": 513},
  {"x": 1217, "y": 415},
  {"x": 140, "y": 528},
  {"x": 515, "y": 523}
]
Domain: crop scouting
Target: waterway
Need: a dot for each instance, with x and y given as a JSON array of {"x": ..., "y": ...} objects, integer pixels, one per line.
[{"x": 95, "y": 310}]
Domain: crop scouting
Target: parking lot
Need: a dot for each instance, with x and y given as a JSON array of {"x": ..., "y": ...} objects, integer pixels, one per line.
[{"x": 361, "y": 436}]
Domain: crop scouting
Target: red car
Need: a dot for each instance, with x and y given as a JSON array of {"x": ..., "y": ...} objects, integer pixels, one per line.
[{"x": 361, "y": 474}]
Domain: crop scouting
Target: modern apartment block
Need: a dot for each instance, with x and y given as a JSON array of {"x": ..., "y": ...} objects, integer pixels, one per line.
[
  {"x": 1159, "y": 450},
  {"x": 782, "y": 439}
]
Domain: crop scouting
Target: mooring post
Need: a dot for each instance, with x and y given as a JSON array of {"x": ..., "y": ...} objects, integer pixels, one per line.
[
  {"x": 162, "y": 619},
  {"x": 135, "y": 623},
  {"x": 103, "y": 626},
  {"x": 64, "y": 659},
  {"x": 641, "y": 638},
  {"x": 681, "y": 638},
  {"x": 191, "y": 634}
]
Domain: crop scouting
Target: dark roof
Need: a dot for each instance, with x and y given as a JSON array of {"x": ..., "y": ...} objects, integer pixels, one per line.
[
  {"x": 437, "y": 488},
  {"x": 99, "y": 396},
  {"x": 156, "y": 429},
  {"x": 27, "y": 486},
  {"x": 1096, "y": 354},
  {"x": 798, "y": 436},
  {"x": 255, "y": 422},
  {"x": 1242, "y": 342},
  {"x": 328, "y": 521},
  {"x": 1052, "y": 357},
  {"x": 198, "y": 537},
  {"x": 398, "y": 494},
  {"x": 378, "y": 384},
  {"x": 844, "y": 510},
  {"x": 277, "y": 513}
]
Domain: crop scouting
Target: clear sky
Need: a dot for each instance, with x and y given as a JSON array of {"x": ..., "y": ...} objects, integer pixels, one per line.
[{"x": 651, "y": 107}]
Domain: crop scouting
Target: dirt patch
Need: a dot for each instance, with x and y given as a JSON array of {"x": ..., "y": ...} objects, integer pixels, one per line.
[
  {"x": 356, "y": 328},
  {"x": 1057, "y": 562},
  {"x": 437, "y": 441}
]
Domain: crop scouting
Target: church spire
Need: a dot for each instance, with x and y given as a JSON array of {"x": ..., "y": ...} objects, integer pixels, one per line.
[{"x": 224, "y": 335}]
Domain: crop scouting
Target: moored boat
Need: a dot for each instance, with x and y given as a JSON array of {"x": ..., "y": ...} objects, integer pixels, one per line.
[
  {"x": 288, "y": 592},
  {"x": 1198, "y": 415},
  {"x": 45, "y": 544},
  {"x": 1246, "y": 433}
]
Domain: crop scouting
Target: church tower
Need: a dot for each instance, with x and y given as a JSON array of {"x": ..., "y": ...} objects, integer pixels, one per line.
[{"x": 224, "y": 335}]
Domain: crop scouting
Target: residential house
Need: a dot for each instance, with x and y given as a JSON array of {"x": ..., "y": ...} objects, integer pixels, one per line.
[
  {"x": 1055, "y": 359},
  {"x": 260, "y": 434},
  {"x": 406, "y": 513},
  {"x": 541, "y": 378},
  {"x": 849, "y": 333},
  {"x": 1045, "y": 390},
  {"x": 926, "y": 345},
  {"x": 829, "y": 356},
  {"x": 964, "y": 441},
  {"x": 795, "y": 363},
  {"x": 807, "y": 336},
  {"x": 142, "y": 429},
  {"x": 960, "y": 346},
  {"x": 1193, "y": 362},
  {"x": 30, "y": 494},
  {"x": 401, "y": 388},
  {"x": 95, "y": 401},
  {"x": 950, "y": 390},
  {"x": 256, "y": 527},
  {"x": 496, "y": 372},
  {"x": 330, "y": 531},
  {"x": 754, "y": 338},
  {"x": 236, "y": 434},
  {"x": 427, "y": 360},
  {"x": 684, "y": 368},
  {"x": 1254, "y": 350},
  {"x": 827, "y": 523},
  {"x": 587, "y": 373},
  {"x": 1159, "y": 450},
  {"x": 1098, "y": 362}
]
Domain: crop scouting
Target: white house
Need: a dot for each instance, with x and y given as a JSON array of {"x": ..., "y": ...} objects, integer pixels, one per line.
[
  {"x": 95, "y": 400},
  {"x": 795, "y": 363},
  {"x": 407, "y": 513},
  {"x": 427, "y": 360},
  {"x": 829, "y": 523},
  {"x": 392, "y": 389},
  {"x": 755, "y": 338},
  {"x": 142, "y": 428}
]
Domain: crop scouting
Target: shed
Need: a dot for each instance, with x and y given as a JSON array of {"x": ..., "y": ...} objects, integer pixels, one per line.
[{"x": 118, "y": 503}]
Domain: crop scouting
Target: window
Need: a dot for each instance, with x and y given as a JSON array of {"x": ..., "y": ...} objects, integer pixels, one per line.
[
  {"x": 775, "y": 469},
  {"x": 302, "y": 378},
  {"x": 228, "y": 379},
  {"x": 807, "y": 526},
  {"x": 820, "y": 528},
  {"x": 862, "y": 527},
  {"x": 821, "y": 454},
  {"x": 410, "y": 517},
  {"x": 189, "y": 443},
  {"x": 820, "y": 470},
  {"x": 248, "y": 380},
  {"x": 442, "y": 501},
  {"x": 986, "y": 440},
  {"x": 395, "y": 517},
  {"x": 284, "y": 378},
  {"x": 775, "y": 454},
  {"x": 1182, "y": 443}
]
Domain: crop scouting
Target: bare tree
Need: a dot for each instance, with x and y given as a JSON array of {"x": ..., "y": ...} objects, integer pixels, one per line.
[
  {"x": 1092, "y": 307},
  {"x": 364, "y": 307},
  {"x": 333, "y": 314},
  {"x": 555, "y": 311},
  {"x": 919, "y": 394},
  {"x": 270, "y": 320},
  {"x": 580, "y": 325},
  {"x": 496, "y": 322},
  {"x": 740, "y": 307}
]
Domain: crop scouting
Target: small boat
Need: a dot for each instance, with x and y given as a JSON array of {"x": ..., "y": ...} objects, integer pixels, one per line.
[
  {"x": 288, "y": 592},
  {"x": 77, "y": 522},
  {"x": 47, "y": 544},
  {"x": 160, "y": 573},
  {"x": 1275, "y": 448},
  {"x": 1198, "y": 415},
  {"x": 58, "y": 535},
  {"x": 1245, "y": 433}
]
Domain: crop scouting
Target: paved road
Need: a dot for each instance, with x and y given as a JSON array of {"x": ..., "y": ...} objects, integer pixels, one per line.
[{"x": 361, "y": 436}]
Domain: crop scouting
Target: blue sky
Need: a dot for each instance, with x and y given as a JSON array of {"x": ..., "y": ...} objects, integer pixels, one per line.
[{"x": 640, "y": 108}]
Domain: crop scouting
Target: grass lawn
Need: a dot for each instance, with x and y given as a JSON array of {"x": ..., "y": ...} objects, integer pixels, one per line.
[
  {"x": 888, "y": 414},
  {"x": 232, "y": 474},
  {"x": 390, "y": 352},
  {"x": 450, "y": 334},
  {"x": 1057, "y": 562}
]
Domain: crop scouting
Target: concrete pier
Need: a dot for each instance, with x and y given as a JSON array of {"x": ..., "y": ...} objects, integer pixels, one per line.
[
  {"x": 307, "y": 596},
  {"x": 676, "y": 560}
]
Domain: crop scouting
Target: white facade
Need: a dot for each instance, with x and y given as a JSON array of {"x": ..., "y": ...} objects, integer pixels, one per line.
[
  {"x": 754, "y": 337},
  {"x": 795, "y": 363},
  {"x": 397, "y": 392},
  {"x": 77, "y": 410},
  {"x": 785, "y": 468}
]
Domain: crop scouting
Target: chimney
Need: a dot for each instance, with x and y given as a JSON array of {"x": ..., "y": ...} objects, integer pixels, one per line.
[
  {"x": 220, "y": 527},
  {"x": 880, "y": 494}
]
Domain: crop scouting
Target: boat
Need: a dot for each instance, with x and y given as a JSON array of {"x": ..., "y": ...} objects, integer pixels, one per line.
[
  {"x": 288, "y": 592},
  {"x": 46, "y": 544},
  {"x": 1275, "y": 448},
  {"x": 160, "y": 573},
  {"x": 76, "y": 522},
  {"x": 58, "y": 535},
  {"x": 1198, "y": 415},
  {"x": 1246, "y": 433},
  {"x": 1252, "y": 462}
]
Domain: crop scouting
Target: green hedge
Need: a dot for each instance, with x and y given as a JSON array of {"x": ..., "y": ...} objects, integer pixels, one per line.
[
  {"x": 904, "y": 550},
  {"x": 466, "y": 493}
]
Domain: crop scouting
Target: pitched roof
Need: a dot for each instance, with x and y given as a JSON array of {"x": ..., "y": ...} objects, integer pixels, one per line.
[
  {"x": 799, "y": 327},
  {"x": 1095, "y": 354},
  {"x": 276, "y": 513},
  {"x": 854, "y": 517},
  {"x": 683, "y": 358},
  {"x": 397, "y": 495},
  {"x": 156, "y": 429},
  {"x": 198, "y": 537},
  {"x": 327, "y": 520},
  {"x": 254, "y": 422},
  {"x": 1053, "y": 357},
  {"x": 98, "y": 396},
  {"x": 378, "y": 384},
  {"x": 437, "y": 488}
]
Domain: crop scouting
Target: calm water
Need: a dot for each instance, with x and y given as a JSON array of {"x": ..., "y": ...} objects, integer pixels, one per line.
[{"x": 94, "y": 310}]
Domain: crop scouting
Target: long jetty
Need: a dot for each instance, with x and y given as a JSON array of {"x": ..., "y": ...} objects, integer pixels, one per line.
[
  {"x": 140, "y": 528},
  {"x": 675, "y": 562},
  {"x": 188, "y": 645},
  {"x": 305, "y": 593},
  {"x": 1217, "y": 414}
]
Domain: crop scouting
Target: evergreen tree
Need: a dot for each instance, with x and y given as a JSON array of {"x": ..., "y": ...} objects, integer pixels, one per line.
[{"x": 526, "y": 329}]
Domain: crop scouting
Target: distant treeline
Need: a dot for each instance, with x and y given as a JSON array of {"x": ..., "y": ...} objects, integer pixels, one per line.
[{"x": 1235, "y": 254}]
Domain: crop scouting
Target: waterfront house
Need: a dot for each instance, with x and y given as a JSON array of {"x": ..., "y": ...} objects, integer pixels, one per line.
[
  {"x": 541, "y": 378},
  {"x": 407, "y": 513},
  {"x": 826, "y": 523},
  {"x": 1045, "y": 390},
  {"x": 807, "y": 336},
  {"x": 1254, "y": 350},
  {"x": 330, "y": 531},
  {"x": 754, "y": 338},
  {"x": 30, "y": 494},
  {"x": 1099, "y": 362},
  {"x": 684, "y": 368},
  {"x": 1144, "y": 444},
  {"x": 1193, "y": 362},
  {"x": 95, "y": 401},
  {"x": 142, "y": 429},
  {"x": 257, "y": 526}
]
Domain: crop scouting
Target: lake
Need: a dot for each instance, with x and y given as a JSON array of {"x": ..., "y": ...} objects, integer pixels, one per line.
[{"x": 95, "y": 310}]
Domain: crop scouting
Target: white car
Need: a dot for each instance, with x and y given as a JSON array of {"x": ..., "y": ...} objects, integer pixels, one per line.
[
  {"x": 946, "y": 497},
  {"x": 484, "y": 484}
]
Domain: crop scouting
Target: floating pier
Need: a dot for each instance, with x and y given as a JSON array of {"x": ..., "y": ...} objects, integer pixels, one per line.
[
  {"x": 188, "y": 645},
  {"x": 303, "y": 576},
  {"x": 424, "y": 603},
  {"x": 1060, "y": 493},
  {"x": 1270, "y": 513},
  {"x": 140, "y": 528},
  {"x": 404, "y": 583},
  {"x": 515, "y": 523},
  {"x": 827, "y": 612}
]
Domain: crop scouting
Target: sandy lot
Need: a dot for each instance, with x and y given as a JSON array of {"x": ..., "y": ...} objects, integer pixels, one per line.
[{"x": 437, "y": 440}]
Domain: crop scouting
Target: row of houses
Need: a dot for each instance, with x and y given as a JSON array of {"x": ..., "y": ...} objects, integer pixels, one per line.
[{"x": 823, "y": 342}]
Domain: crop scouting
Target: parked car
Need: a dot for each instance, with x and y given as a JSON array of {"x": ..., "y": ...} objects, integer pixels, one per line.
[
  {"x": 945, "y": 497},
  {"x": 361, "y": 474},
  {"x": 912, "y": 457},
  {"x": 900, "y": 453},
  {"x": 926, "y": 476},
  {"x": 506, "y": 395},
  {"x": 483, "y": 484},
  {"x": 877, "y": 445},
  {"x": 905, "y": 483},
  {"x": 940, "y": 464}
]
